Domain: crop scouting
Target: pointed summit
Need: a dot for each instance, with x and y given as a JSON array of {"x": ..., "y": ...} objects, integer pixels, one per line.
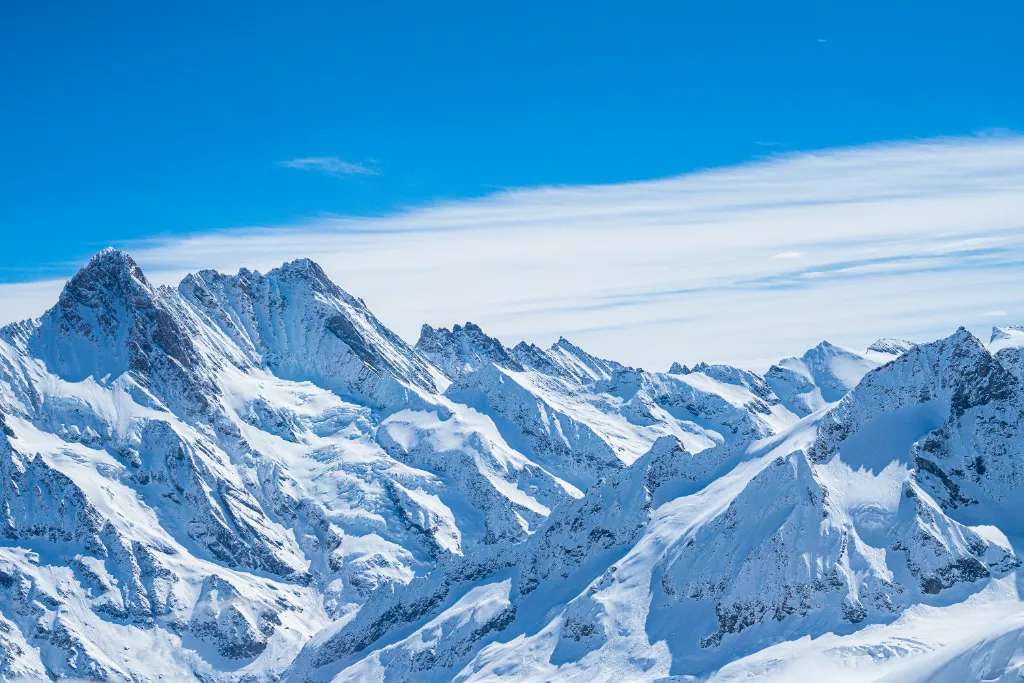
[
  {"x": 111, "y": 257},
  {"x": 88, "y": 331},
  {"x": 110, "y": 320},
  {"x": 580, "y": 364},
  {"x": 309, "y": 271},
  {"x": 1003, "y": 331},
  {"x": 825, "y": 346},
  {"x": 822, "y": 375},
  {"x": 535, "y": 358},
  {"x": 109, "y": 273}
]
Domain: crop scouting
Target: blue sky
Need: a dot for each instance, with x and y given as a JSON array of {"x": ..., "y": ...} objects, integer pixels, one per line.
[
  {"x": 124, "y": 121},
  {"x": 125, "y": 124}
]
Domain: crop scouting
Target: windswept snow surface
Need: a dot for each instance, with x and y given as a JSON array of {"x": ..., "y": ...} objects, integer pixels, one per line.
[{"x": 251, "y": 478}]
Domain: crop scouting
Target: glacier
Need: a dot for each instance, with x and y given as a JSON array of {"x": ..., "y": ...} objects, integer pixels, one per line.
[{"x": 251, "y": 478}]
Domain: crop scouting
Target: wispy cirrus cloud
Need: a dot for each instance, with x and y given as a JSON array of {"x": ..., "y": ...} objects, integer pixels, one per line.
[
  {"x": 329, "y": 165},
  {"x": 741, "y": 264}
]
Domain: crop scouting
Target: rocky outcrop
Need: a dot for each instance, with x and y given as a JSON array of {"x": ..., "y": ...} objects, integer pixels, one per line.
[
  {"x": 302, "y": 326},
  {"x": 966, "y": 408},
  {"x": 463, "y": 349}
]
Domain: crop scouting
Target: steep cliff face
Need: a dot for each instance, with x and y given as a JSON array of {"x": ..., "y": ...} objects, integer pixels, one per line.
[
  {"x": 250, "y": 478},
  {"x": 301, "y": 326},
  {"x": 463, "y": 349},
  {"x": 110, "y": 322},
  {"x": 951, "y": 410}
]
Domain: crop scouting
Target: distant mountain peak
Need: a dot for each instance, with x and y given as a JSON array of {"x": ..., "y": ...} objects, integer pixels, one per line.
[
  {"x": 890, "y": 346},
  {"x": 564, "y": 343},
  {"x": 1006, "y": 331},
  {"x": 304, "y": 266},
  {"x": 1006, "y": 337},
  {"x": 99, "y": 311},
  {"x": 110, "y": 321},
  {"x": 110, "y": 256},
  {"x": 581, "y": 364},
  {"x": 309, "y": 271},
  {"x": 964, "y": 338},
  {"x": 822, "y": 375},
  {"x": 463, "y": 349}
]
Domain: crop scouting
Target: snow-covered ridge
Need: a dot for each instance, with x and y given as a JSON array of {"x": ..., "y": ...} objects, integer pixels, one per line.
[
  {"x": 250, "y": 477},
  {"x": 1007, "y": 336}
]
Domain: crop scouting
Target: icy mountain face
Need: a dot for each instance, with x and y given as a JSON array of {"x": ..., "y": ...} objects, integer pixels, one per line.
[
  {"x": 110, "y": 322},
  {"x": 581, "y": 416},
  {"x": 301, "y": 326},
  {"x": 1007, "y": 343},
  {"x": 250, "y": 478},
  {"x": 463, "y": 349},
  {"x": 228, "y": 467},
  {"x": 1007, "y": 336},
  {"x": 682, "y": 563},
  {"x": 659, "y": 571},
  {"x": 824, "y": 374},
  {"x": 1012, "y": 359},
  {"x": 956, "y": 407},
  {"x": 178, "y": 456}
]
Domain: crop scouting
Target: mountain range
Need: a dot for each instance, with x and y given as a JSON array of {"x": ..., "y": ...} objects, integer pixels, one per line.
[{"x": 251, "y": 478}]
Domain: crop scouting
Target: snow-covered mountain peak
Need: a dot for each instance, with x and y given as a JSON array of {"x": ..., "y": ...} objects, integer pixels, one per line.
[
  {"x": 113, "y": 264},
  {"x": 822, "y": 375},
  {"x": 678, "y": 369},
  {"x": 306, "y": 267},
  {"x": 298, "y": 323},
  {"x": 103, "y": 298},
  {"x": 824, "y": 347},
  {"x": 463, "y": 349},
  {"x": 927, "y": 372},
  {"x": 1006, "y": 336},
  {"x": 959, "y": 352},
  {"x": 950, "y": 410},
  {"x": 890, "y": 347},
  {"x": 825, "y": 354},
  {"x": 1007, "y": 343},
  {"x": 311, "y": 275},
  {"x": 584, "y": 366},
  {"x": 110, "y": 321}
]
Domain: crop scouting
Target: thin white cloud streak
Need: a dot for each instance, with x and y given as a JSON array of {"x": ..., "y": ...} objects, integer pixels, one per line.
[
  {"x": 328, "y": 165},
  {"x": 23, "y": 300},
  {"x": 742, "y": 264}
]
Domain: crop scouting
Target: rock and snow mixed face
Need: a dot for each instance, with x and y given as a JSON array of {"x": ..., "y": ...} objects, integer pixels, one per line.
[
  {"x": 821, "y": 376},
  {"x": 690, "y": 563},
  {"x": 301, "y": 326},
  {"x": 1007, "y": 343},
  {"x": 249, "y": 477}
]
